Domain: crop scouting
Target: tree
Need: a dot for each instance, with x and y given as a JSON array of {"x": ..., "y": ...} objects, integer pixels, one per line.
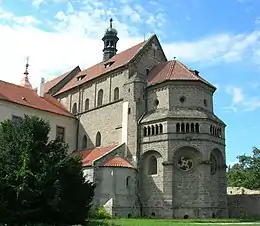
[
  {"x": 246, "y": 173},
  {"x": 39, "y": 182}
]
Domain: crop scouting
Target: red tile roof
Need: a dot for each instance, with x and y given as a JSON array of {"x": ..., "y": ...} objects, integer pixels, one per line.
[
  {"x": 117, "y": 61},
  {"x": 88, "y": 156},
  {"x": 173, "y": 70},
  {"x": 29, "y": 98},
  {"x": 118, "y": 161}
]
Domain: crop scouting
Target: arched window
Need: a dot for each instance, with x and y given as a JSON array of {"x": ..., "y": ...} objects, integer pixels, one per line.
[
  {"x": 127, "y": 183},
  {"x": 178, "y": 127},
  {"x": 74, "y": 109},
  {"x": 161, "y": 128},
  {"x": 86, "y": 104},
  {"x": 145, "y": 131},
  {"x": 152, "y": 165},
  {"x": 116, "y": 93},
  {"x": 98, "y": 139},
  {"x": 197, "y": 128},
  {"x": 156, "y": 129},
  {"x": 182, "y": 127},
  {"x": 149, "y": 131},
  {"x": 187, "y": 127},
  {"x": 152, "y": 130},
  {"x": 84, "y": 142},
  {"x": 100, "y": 98}
]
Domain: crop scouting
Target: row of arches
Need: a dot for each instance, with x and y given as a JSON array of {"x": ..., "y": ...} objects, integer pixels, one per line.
[
  {"x": 215, "y": 131},
  {"x": 100, "y": 97},
  {"x": 187, "y": 128},
  {"x": 153, "y": 130},
  {"x": 85, "y": 141}
]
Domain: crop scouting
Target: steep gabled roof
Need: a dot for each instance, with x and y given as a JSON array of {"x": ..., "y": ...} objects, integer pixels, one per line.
[
  {"x": 90, "y": 155},
  {"x": 173, "y": 70},
  {"x": 119, "y": 60},
  {"x": 50, "y": 84},
  {"x": 29, "y": 98}
]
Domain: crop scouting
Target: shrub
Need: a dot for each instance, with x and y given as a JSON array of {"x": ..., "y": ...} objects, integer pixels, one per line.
[{"x": 100, "y": 213}]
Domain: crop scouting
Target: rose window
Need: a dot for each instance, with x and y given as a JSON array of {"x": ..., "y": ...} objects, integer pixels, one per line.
[
  {"x": 213, "y": 167},
  {"x": 185, "y": 163}
]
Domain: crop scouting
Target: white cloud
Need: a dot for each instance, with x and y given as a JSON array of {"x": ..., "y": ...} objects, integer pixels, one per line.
[
  {"x": 241, "y": 101},
  {"x": 74, "y": 38}
]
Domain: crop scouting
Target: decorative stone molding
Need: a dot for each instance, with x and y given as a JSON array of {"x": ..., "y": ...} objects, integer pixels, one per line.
[
  {"x": 167, "y": 163},
  {"x": 206, "y": 162}
]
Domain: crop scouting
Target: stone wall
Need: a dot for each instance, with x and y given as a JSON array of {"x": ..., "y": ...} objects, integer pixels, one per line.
[{"x": 243, "y": 202}]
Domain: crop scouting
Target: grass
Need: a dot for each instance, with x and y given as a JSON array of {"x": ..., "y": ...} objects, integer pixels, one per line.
[{"x": 166, "y": 222}]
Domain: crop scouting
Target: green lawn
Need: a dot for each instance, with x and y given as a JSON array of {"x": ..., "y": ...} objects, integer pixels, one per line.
[
  {"x": 155, "y": 222},
  {"x": 192, "y": 222}
]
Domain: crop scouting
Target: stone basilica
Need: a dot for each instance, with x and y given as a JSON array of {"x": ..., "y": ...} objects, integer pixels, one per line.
[{"x": 147, "y": 133}]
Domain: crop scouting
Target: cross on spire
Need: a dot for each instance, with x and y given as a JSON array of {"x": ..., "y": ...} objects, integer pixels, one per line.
[
  {"x": 111, "y": 21},
  {"x": 26, "y": 66}
]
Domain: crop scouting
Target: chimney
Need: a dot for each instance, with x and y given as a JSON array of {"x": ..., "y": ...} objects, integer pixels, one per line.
[{"x": 41, "y": 88}]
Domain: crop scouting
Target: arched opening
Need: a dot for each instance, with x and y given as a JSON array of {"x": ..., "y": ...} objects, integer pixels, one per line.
[
  {"x": 74, "y": 109},
  {"x": 145, "y": 131},
  {"x": 84, "y": 142},
  {"x": 116, "y": 93},
  {"x": 100, "y": 97},
  {"x": 156, "y": 129},
  {"x": 98, "y": 139},
  {"x": 192, "y": 128},
  {"x": 197, "y": 128},
  {"x": 86, "y": 104},
  {"x": 153, "y": 214},
  {"x": 211, "y": 129},
  {"x": 152, "y": 165},
  {"x": 149, "y": 131},
  {"x": 160, "y": 128},
  {"x": 187, "y": 127},
  {"x": 153, "y": 130},
  {"x": 182, "y": 127},
  {"x": 178, "y": 127},
  {"x": 186, "y": 216},
  {"x": 129, "y": 215}
]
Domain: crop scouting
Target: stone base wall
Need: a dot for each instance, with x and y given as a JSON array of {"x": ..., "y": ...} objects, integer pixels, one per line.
[{"x": 244, "y": 205}]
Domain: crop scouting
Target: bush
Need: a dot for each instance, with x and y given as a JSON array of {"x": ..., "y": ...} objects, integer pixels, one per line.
[{"x": 100, "y": 213}]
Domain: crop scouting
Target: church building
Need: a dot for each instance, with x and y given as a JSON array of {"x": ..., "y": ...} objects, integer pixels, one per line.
[{"x": 147, "y": 133}]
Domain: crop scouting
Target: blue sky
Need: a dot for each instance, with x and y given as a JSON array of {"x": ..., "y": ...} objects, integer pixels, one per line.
[{"x": 221, "y": 39}]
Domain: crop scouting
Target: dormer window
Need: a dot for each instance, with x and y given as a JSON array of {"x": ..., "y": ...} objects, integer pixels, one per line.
[
  {"x": 108, "y": 64},
  {"x": 80, "y": 77}
]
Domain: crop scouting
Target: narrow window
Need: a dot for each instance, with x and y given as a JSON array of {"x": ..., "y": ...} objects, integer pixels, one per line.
[
  {"x": 127, "y": 181},
  {"x": 74, "y": 109},
  {"x": 116, "y": 93},
  {"x": 178, "y": 127},
  {"x": 149, "y": 131},
  {"x": 145, "y": 131},
  {"x": 86, "y": 104},
  {"x": 152, "y": 130},
  {"x": 182, "y": 127},
  {"x": 152, "y": 165},
  {"x": 161, "y": 128},
  {"x": 197, "y": 128},
  {"x": 60, "y": 133},
  {"x": 156, "y": 129},
  {"x": 100, "y": 97},
  {"x": 98, "y": 139},
  {"x": 84, "y": 142}
]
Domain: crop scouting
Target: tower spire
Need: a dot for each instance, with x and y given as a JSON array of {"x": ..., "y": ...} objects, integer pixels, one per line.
[
  {"x": 25, "y": 81},
  {"x": 110, "y": 40}
]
